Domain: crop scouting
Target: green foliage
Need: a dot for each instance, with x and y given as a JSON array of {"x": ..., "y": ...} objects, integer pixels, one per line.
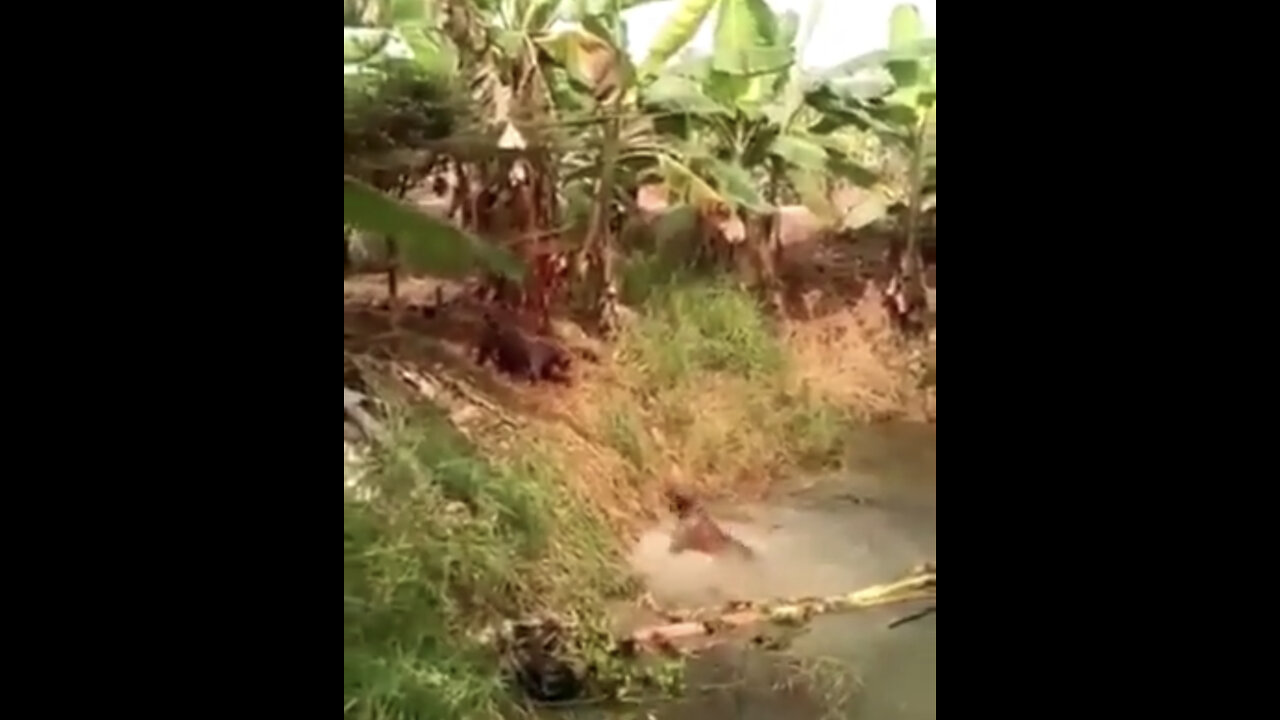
[
  {"x": 433, "y": 54},
  {"x": 893, "y": 112},
  {"x": 743, "y": 116},
  {"x": 358, "y": 47},
  {"x": 646, "y": 273},
  {"x": 816, "y": 431},
  {"x": 417, "y": 44},
  {"x": 538, "y": 14},
  {"x": 393, "y": 120},
  {"x": 680, "y": 94},
  {"x": 799, "y": 151},
  {"x": 841, "y": 106},
  {"x": 913, "y": 76},
  {"x": 789, "y": 28},
  {"x": 690, "y": 328},
  {"x": 676, "y": 32},
  {"x": 400, "y": 108},
  {"x": 426, "y": 243},
  {"x": 747, "y": 41},
  {"x": 449, "y": 540},
  {"x": 899, "y": 109}
]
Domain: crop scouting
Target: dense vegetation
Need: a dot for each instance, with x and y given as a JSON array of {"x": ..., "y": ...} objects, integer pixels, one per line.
[{"x": 545, "y": 131}]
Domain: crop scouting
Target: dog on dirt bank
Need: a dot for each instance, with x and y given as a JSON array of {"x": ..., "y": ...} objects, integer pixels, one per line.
[
  {"x": 520, "y": 354},
  {"x": 695, "y": 530}
]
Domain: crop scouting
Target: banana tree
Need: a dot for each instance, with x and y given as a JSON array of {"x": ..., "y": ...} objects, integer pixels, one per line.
[
  {"x": 742, "y": 119},
  {"x": 506, "y": 156},
  {"x": 398, "y": 106},
  {"x": 595, "y": 91},
  {"x": 504, "y": 187},
  {"x": 916, "y": 88},
  {"x": 903, "y": 113},
  {"x": 619, "y": 97},
  {"x": 746, "y": 84}
]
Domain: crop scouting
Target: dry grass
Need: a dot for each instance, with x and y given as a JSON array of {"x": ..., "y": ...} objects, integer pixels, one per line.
[{"x": 852, "y": 357}]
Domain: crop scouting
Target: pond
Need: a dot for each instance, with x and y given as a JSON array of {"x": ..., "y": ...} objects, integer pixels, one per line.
[{"x": 819, "y": 536}]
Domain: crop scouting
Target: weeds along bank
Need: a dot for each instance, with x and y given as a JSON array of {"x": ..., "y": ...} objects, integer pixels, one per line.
[
  {"x": 444, "y": 543},
  {"x": 449, "y": 534}
]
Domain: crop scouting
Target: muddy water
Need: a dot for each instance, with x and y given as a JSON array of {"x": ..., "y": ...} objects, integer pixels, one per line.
[{"x": 822, "y": 536}]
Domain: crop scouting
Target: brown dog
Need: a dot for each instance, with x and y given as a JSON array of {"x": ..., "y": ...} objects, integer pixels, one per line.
[{"x": 695, "y": 530}]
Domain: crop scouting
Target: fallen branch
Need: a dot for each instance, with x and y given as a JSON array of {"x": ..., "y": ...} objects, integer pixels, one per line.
[
  {"x": 705, "y": 622},
  {"x": 554, "y": 660},
  {"x": 701, "y": 623}
]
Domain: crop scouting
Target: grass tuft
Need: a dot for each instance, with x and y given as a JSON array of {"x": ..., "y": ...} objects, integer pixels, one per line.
[{"x": 709, "y": 327}]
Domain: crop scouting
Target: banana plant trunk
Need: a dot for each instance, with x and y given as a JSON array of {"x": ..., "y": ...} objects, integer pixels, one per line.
[
  {"x": 599, "y": 253},
  {"x": 775, "y": 235},
  {"x": 404, "y": 182},
  {"x": 393, "y": 281},
  {"x": 759, "y": 230},
  {"x": 912, "y": 301}
]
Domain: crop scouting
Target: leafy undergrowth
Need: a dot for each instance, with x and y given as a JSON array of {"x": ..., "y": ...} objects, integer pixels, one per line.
[{"x": 444, "y": 543}]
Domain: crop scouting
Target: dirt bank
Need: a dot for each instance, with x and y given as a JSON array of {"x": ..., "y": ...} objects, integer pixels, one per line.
[{"x": 724, "y": 407}]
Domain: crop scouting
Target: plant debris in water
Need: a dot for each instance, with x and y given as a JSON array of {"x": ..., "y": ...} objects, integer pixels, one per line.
[{"x": 554, "y": 662}]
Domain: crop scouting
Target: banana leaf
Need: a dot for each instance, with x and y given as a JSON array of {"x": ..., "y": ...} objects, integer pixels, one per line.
[
  {"x": 919, "y": 49},
  {"x": 747, "y": 41},
  {"x": 538, "y": 15},
  {"x": 365, "y": 44},
  {"x": 426, "y": 243},
  {"x": 684, "y": 183},
  {"x": 736, "y": 184},
  {"x": 675, "y": 33},
  {"x": 799, "y": 152},
  {"x": 590, "y": 58},
  {"x": 842, "y": 110},
  {"x": 852, "y": 171},
  {"x": 674, "y": 93},
  {"x": 812, "y": 189}
]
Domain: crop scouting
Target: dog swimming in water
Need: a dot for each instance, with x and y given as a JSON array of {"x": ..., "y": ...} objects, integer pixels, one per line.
[{"x": 695, "y": 530}]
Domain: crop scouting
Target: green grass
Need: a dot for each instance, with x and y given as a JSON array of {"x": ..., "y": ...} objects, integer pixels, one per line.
[
  {"x": 688, "y": 327},
  {"x": 448, "y": 543},
  {"x": 814, "y": 430}
]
